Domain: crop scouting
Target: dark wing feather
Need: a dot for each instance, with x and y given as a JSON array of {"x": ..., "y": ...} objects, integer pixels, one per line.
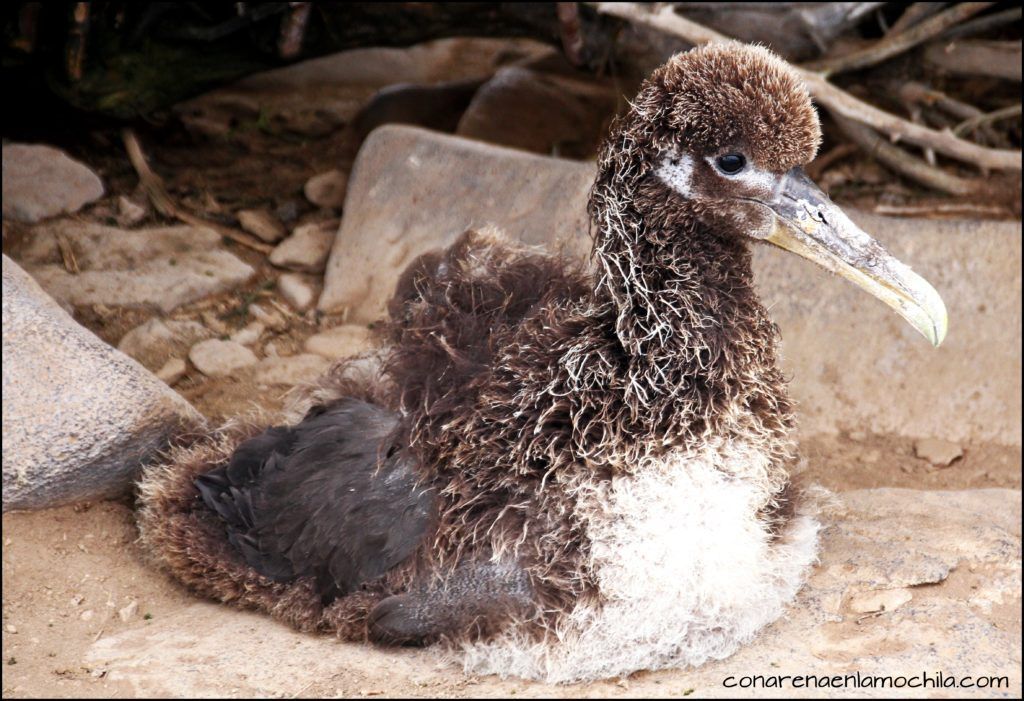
[{"x": 327, "y": 498}]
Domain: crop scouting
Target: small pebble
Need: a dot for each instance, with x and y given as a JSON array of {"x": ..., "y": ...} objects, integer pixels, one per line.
[
  {"x": 249, "y": 335},
  {"x": 295, "y": 290},
  {"x": 216, "y": 358},
  {"x": 327, "y": 189},
  {"x": 938, "y": 452},
  {"x": 86, "y": 615},
  {"x": 129, "y": 213},
  {"x": 262, "y": 224},
  {"x": 214, "y": 324},
  {"x": 307, "y": 249},
  {"x": 11, "y": 628},
  {"x": 172, "y": 371},
  {"x": 129, "y": 611},
  {"x": 271, "y": 319}
]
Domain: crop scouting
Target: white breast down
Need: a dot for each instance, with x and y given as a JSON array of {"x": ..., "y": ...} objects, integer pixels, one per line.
[{"x": 686, "y": 572}]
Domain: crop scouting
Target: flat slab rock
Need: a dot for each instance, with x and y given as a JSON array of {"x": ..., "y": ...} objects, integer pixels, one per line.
[
  {"x": 319, "y": 95},
  {"x": 163, "y": 267},
  {"x": 412, "y": 190},
  {"x": 951, "y": 559},
  {"x": 79, "y": 417},
  {"x": 158, "y": 341},
  {"x": 218, "y": 358},
  {"x": 849, "y": 355},
  {"x": 41, "y": 181}
]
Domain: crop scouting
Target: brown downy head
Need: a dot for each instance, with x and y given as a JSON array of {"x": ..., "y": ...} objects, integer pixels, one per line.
[{"x": 714, "y": 145}]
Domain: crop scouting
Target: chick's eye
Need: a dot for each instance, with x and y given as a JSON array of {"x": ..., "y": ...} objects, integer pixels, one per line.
[{"x": 731, "y": 163}]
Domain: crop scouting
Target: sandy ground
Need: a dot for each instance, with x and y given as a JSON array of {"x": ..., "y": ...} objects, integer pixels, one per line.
[{"x": 73, "y": 576}]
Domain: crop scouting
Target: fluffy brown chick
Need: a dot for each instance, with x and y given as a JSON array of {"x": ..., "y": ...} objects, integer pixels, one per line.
[{"x": 563, "y": 475}]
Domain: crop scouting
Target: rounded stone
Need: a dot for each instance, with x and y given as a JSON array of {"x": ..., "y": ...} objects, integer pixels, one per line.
[
  {"x": 217, "y": 358},
  {"x": 262, "y": 224},
  {"x": 307, "y": 248},
  {"x": 296, "y": 291},
  {"x": 327, "y": 189},
  {"x": 41, "y": 181}
]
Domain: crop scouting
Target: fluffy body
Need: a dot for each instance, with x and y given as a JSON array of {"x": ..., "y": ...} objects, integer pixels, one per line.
[{"x": 607, "y": 454}]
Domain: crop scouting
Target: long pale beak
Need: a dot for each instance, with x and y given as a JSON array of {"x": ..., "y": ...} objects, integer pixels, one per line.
[{"x": 810, "y": 225}]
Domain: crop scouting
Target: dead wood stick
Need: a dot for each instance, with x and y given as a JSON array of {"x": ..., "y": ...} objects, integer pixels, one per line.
[
  {"x": 153, "y": 185},
  {"x": 942, "y": 209},
  {"x": 920, "y": 94},
  {"x": 915, "y": 117},
  {"x": 983, "y": 24},
  {"x": 912, "y": 15},
  {"x": 895, "y": 44},
  {"x": 982, "y": 119},
  {"x": 998, "y": 59},
  {"x": 837, "y": 100},
  {"x": 823, "y": 161},
  {"x": 908, "y": 165}
]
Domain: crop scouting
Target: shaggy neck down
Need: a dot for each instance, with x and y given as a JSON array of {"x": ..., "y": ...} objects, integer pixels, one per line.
[{"x": 700, "y": 348}]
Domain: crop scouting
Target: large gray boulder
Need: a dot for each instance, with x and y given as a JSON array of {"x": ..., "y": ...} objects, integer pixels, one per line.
[
  {"x": 855, "y": 364},
  {"x": 909, "y": 582},
  {"x": 412, "y": 190},
  {"x": 79, "y": 417},
  {"x": 41, "y": 181}
]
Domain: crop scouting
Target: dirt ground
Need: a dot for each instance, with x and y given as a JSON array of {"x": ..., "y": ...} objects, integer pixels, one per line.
[{"x": 69, "y": 572}]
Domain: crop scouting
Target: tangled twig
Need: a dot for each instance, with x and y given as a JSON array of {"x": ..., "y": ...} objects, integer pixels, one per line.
[
  {"x": 153, "y": 186},
  {"x": 832, "y": 97},
  {"x": 896, "y": 43},
  {"x": 976, "y": 121},
  {"x": 899, "y": 161}
]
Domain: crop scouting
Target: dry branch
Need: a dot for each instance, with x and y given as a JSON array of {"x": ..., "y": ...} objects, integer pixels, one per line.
[
  {"x": 895, "y": 44},
  {"x": 908, "y": 165},
  {"x": 153, "y": 185},
  {"x": 922, "y": 96},
  {"x": 835, "y": 99},
  {"x": 983, "y": 24},
  {"x": 942, "y": 210},
  {"x": 998, "y": 59},
  {"x": 973, "y": 123},
  {"x": 912, "y": 15},
  {"x": 824, "y": 161}
]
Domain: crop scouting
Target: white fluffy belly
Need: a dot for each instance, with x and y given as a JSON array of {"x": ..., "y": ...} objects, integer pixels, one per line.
[{"x": 686, "y": 572}]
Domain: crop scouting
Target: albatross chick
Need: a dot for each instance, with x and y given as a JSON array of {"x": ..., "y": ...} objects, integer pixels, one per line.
[{"x": 559, "y": 474}]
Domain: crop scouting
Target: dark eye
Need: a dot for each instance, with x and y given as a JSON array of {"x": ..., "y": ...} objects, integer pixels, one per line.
[{"x": 731, "y": 163}]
